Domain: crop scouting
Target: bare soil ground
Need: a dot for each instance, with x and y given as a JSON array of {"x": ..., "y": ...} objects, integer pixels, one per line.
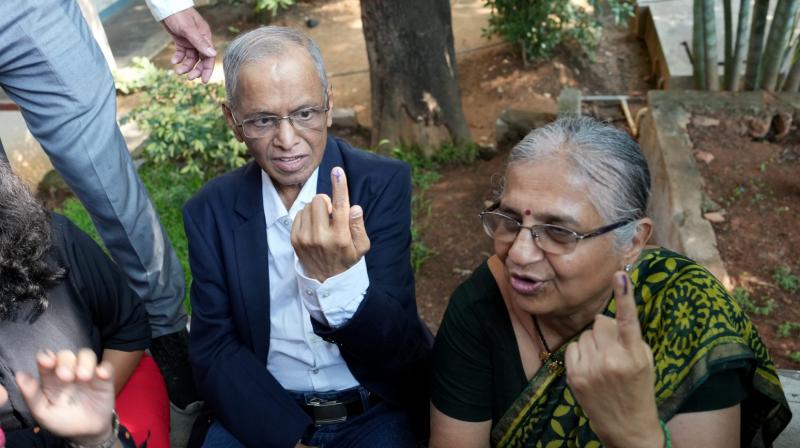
[{"x": 756, "y": 185}]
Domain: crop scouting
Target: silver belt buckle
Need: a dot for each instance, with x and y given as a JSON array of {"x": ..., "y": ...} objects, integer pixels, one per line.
[{"x": 327, "y": 412}]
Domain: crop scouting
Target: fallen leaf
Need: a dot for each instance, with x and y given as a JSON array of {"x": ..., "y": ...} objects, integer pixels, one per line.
[
  {"x": 704, "y": 156},
  {"x": 715, "y": 217}
]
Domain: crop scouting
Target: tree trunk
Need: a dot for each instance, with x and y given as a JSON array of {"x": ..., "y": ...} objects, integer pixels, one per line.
[
  {"x": 710, "y": 38},
  {"x": 742, "y": 35},
  {"x": 413, "y": 74},
  {"x": 779, "y": 34},
  {"x": 793, "y": 78},
  {"x": 698, "y": 47},
  {"x": 751, "y": 76},
  {"x": 726, "y": 9}
]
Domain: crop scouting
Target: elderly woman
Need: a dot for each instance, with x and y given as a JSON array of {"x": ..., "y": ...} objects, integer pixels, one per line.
[{"x": 576, "y": 334}]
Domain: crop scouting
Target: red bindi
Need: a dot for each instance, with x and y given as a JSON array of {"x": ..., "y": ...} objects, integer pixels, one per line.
[{"x": 527, "y": 212}]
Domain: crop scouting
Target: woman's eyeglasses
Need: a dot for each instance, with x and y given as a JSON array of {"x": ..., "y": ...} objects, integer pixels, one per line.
[{"x": 550, "y": 238}]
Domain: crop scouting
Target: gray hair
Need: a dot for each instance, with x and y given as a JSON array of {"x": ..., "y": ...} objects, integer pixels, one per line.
[
  {"x": 262, "y": 43},
  {"x": 605, "y": 159}
]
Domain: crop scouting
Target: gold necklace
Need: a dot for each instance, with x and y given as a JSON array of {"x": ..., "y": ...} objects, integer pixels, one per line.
[{"x": 546, "y": 355}]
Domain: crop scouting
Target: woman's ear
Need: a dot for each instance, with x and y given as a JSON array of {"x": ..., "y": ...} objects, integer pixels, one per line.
[{"x": 644, "y": 229}]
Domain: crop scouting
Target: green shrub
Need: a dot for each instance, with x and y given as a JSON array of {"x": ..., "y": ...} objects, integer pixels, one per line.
[
  {"x": 272, "y": 5},
  {"x": 785, "y": 329},
  {"x": 742, "y": 297},
  {"x": 169, "y": 190},
  {"x": 137, "y": 76},
  {"x": 786, "y": 280},
  {"x": 264, "y": 5},
  {"x": 186, "y": 126},
  {"x": 537, "y": 27}
]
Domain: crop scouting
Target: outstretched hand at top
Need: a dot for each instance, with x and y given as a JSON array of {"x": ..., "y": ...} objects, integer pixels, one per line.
[
  {"x": 610, "y": 371},
  {"x": 329, "y": 235},
  {"x": 194, "y": 48}
]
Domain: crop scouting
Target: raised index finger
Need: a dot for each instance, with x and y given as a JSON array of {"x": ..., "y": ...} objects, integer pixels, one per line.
[
  {"x": 340, "y": 197},
  {"x": 627, "y": 316}
]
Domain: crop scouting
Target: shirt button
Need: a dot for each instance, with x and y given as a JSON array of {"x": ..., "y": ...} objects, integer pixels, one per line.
[
  {"x": 326, "y": 294},
  {"x": 309, "y": 292},
  {"x": 286, "y": 221},
  {"x": 315, "y": 371}
]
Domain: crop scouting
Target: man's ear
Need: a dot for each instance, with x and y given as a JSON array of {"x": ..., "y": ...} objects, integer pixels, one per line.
[
  {"x": 226, "y": 110},
  {"x": 644, "y": 229},
  {"x": 330, "y": 106}
]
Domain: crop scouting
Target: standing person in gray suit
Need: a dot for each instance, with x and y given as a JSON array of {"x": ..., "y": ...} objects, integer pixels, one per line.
[{"x": 52, "y": 68}]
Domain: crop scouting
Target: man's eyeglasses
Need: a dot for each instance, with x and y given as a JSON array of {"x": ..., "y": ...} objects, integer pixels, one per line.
[
  {"x": 550, "y": 238},
  {"x": 265, "y": 126}
]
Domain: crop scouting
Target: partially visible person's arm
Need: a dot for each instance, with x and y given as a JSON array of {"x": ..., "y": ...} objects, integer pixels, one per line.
[
  {"x": 124, "y": 364},
  {"x": 713, "y": 429},
  {"x": 194, "y": 47},
  {"x": 448, "y": 432}
]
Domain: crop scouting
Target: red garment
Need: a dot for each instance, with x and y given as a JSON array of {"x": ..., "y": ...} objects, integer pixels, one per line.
[{"x": 143, "y": 407}]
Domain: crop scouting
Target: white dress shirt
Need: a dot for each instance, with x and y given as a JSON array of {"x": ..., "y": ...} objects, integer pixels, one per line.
[
  {"x": 161, "y": 9},
  {"x": 299, "y": 359}
]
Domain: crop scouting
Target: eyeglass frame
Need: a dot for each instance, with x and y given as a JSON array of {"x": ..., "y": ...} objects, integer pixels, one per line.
[
  {"x": 578, "y": 236},
  {"x": 279, "y": 118}
]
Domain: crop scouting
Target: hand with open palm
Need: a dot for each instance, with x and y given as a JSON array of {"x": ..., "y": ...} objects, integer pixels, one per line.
[{"x": 74, "y": 398}]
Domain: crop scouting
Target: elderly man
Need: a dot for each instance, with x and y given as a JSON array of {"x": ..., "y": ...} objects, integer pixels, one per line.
[{"x": 304, "y": 325}]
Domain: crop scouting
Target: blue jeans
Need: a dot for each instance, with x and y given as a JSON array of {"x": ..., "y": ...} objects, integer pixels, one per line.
[
  {"x": 378, "y": 426},
  {"x": 52, "y": 68}
]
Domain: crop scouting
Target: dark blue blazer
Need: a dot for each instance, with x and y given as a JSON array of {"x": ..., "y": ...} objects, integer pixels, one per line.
[{"x": 385, "y": 344}]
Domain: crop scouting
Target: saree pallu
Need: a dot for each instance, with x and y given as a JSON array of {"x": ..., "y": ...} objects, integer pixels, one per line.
[{"x": 695, "y": 330}]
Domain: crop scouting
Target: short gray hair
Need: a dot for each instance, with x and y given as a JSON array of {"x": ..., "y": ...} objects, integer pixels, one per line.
[
  {"x": 607, "y": 160},
  {"x": 265, "y": 42}
]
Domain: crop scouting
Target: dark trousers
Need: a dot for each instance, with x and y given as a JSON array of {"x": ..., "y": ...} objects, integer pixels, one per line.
[{"x": 379, "y": 426}]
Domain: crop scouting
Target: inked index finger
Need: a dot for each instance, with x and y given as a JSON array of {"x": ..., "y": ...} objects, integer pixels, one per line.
[
  {"x": 340, "y": 197},
  {"x": 627, "y": 316}
]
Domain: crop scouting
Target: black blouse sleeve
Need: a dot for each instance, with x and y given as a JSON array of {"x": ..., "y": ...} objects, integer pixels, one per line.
[
  {"x": 115, "y": 309},
  {"x": 462, "y": 373}
]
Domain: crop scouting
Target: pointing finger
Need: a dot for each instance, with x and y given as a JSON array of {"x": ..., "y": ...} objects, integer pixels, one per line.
[
  {"x": 340, "y": 199},
  {"x": 627, "y": 316}
]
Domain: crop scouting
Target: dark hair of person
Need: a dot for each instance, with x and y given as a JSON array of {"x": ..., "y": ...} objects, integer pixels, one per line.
[{"x": 26, "y": 270}]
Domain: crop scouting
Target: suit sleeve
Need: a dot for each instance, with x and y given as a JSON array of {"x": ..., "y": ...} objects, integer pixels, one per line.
[
  {"x": 386, "y": 340},
  {"x": 246, "y": 398}
]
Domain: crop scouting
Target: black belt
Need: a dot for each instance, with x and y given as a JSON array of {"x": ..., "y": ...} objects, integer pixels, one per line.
[{"x": 326, "y": 412}]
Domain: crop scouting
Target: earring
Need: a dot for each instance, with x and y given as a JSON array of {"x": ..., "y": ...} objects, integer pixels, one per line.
[{"x": 628, "y": 268}]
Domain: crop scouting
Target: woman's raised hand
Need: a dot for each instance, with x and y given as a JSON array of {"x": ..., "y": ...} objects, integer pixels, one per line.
[
  {"x": 610, "y": 372},
  {"x": 75, "y": 399}
]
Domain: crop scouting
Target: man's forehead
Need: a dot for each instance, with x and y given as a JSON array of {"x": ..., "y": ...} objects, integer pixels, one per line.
[{"x": 278, "y": 85}]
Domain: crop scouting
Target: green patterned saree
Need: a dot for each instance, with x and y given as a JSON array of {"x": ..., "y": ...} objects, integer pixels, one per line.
[{"x": 695, "y": 330}]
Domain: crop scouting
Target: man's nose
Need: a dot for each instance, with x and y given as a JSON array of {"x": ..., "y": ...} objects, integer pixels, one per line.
[{"x": 286, "y": 135}]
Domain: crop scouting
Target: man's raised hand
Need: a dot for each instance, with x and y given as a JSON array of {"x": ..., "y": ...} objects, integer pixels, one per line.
[{"x": 328, "y": 235}]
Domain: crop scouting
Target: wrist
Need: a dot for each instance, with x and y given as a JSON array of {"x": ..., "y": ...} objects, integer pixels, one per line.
[
  {"x": 106, "y": 439},
  {"x": 650, "y": 436}
]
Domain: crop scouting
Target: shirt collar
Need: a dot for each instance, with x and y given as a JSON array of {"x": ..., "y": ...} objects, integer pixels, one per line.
[{"x": 273, "y": 205}]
